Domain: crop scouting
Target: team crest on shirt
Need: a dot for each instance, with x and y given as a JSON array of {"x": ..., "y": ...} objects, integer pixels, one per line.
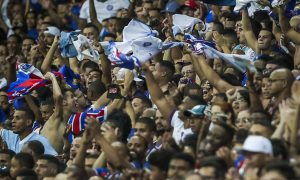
[
  {"x": 146, "y": 44},
  {"x": 109, "y": 7}
]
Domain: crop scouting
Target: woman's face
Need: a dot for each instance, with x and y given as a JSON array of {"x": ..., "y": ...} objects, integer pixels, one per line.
[{"x": 239, "y": 104}]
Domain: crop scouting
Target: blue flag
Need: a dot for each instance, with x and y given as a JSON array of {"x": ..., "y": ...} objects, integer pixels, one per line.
[
  {"x": 220, "y": 2},
  {"x": 71, "y": 78}
]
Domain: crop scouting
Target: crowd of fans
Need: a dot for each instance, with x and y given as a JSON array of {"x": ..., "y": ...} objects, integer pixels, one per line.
[{"x": 179, "y": 115}]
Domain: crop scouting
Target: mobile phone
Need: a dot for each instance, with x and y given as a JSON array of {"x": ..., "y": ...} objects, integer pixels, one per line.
[{"x": 114, "y": 92}]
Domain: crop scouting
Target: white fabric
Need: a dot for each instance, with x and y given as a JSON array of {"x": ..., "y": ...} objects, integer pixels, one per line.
[
  {"x": 14, "y": 143},
  {"x": 258, "y": 144},
  {"x": 179, "y": 132},
  {"x": 254, "y": 6},
  {"x": 136, "y": 29},
  {"x": 185, "y": 23},
  {"x": 3, "y": 83},
  {"x": 276, "y": 3},
  {"x": 104, "y": 10},
  {"x": 84, "y": 48},
  {"x": 53, "y": 31},
  {"x": 30, "y": 69}
]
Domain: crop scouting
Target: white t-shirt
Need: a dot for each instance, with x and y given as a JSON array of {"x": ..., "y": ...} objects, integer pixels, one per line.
[
  {"x": 104, "y": 10},
  {"x": 178, "y": 128}
]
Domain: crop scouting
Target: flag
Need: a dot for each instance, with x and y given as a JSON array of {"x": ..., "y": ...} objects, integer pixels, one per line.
[
  {"x": 220, "y": 2},
  {"x": 77, "y": 120},
  {"x": 29, "y": 78},
  {"x": 137, "y": 29},
  {"x": 185, "y": 23},
  {"x": 146, "y": 48},
  {"x": 71, "y": 78},
  {"x": 84, "y": 48},
  {"x": 240, "y": 62},
  {"x": 118, "y": 58}
]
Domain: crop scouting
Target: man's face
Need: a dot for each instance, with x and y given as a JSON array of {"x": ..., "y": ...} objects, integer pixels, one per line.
[
  {"x": 157, "y": 173},
  {"x": 15, "y": 167},
  {"x": 12, "y": 45},
  {"x": 271, "y": 175},
  {"x": 215, "y": 139},
  {"x": 43, "y": 168},
  {"x": 112, "y": 25},
  {"x": 43, "y": 28},
  {"x": 4, "y": 102},
  {"x": 258, "y": 129},
  {"x": 144, "y": 131},
  {"x": 264, "y": 40},
  {"x": 178, "y": 168},
  {"x": 195, "y": 123},
  {"x": 137, "y": 148},
  {"x": 62, "y": 9},
  {"x": 48, "y": 38},
  {"x": 92, "y": 77},
  {"x": 256, "y": 160},
  {"x": 208, "y": 172},
  {"x": 3, "y": 50},
  {"x": 75, "y": 147},
  {"x": 257, "y": 81},
  {"x": 161, "y": 123},
  {"x": 46, "y": 111},
  {"x": 157, "y": 72},
  {"x": 138, "y": 106},
  {"x": 187, "y": 103},
  {"x": 20, "y": 122},
  {"x": 26, "y": 46},
  {"x": 80, "y": 99},
  {"x": 30, "y": 20},
  {"x": 188, "y": 72},
  {"x": 69, "y": 101},
  {"x": 4, "y": 159},
  {"x": 276, "y": 83},
  {"x": 243, "y": 120},
  {"x": 90, "y": 33},
  {"x": 218, "y": 66}
]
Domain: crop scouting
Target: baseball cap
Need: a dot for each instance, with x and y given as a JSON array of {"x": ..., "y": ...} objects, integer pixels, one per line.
[
  {"x": 171, "y": 7},
  {"x": 52, "y": 30},
  {"x": 198, "y": 110},
  {"x": 258, "y": 144}
]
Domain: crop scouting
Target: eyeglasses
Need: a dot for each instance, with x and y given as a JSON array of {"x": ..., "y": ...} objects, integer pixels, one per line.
[{"x": 274, "y": 80}]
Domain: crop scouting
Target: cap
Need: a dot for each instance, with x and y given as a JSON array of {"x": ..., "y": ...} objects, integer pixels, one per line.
[
  {"x": 191, "y": 4},
  {"x": 52, "y": 30},
  {"x": 171, "y": 7},
  {"x": 198, "y": 110},
  {"x": 258, "y": 144}
]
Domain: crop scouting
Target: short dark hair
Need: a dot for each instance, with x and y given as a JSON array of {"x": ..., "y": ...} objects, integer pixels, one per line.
[
  {"x": 161, "y": 159},
  {"x": 9, "y": 152},
  {"x": 167, "y": 65},
  {"x": 264, "y": 122},
  {"x": 19, "y": 39},
  {"x": 241, "y": 135},
  {"x": 25, "y": 160},
  {"x": 89, "y": 64},
  {"x": 216, "y": 162},
  {"x": 229, "y": 129},
  {"x": 27, "y": 174},
  {"x": 121, "y": 120},
  {"x": 28, "y": 113},
  {"x": 185, "y": 157},
  {"x": 50, "y": 159},
  {"x": 144, "y": 99},
  {"x": 191, "y": 141},
  {"x": 91, "y": 25},
  {"x": 284, "y": 168},
  {"x": 47, "y": 101},
  {"x": 37, "y": 147},
  {"x": 150, "y": 123}
]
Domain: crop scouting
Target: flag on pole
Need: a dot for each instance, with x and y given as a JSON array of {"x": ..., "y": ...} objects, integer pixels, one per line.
[{"x": 29, "y": 78}]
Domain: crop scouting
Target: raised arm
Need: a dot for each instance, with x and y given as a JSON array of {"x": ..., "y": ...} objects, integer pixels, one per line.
[
  {"x": 49, "y": 56},
  {"x": 93, "y": 127},
  {"x": 157, "y": 94},
  {"x": 247, "y": 28},
  {"x": 105, "y": 65},
  {"x": 93, "y": 15},
  {"x": 286, "y": 27}
]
